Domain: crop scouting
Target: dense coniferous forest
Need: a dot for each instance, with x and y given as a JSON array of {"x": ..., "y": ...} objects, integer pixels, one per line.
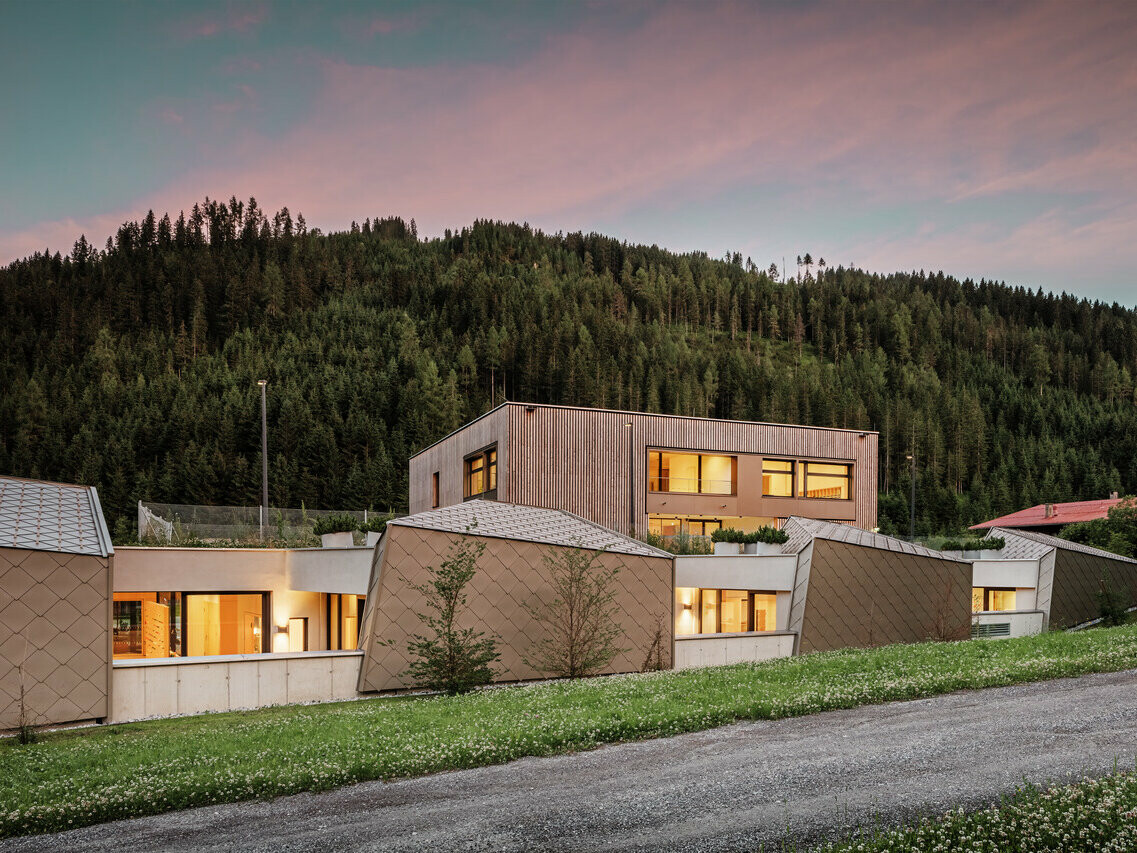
[{"x": 134, "y": 367}]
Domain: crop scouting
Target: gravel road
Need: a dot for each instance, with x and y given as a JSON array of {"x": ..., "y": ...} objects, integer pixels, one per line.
[{"x": 732, "y": 788}]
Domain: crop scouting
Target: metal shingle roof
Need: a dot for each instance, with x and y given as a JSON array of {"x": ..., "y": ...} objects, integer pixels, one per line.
[
  {"x": 1029, "y": 545},
  {"x": 527, "y": 523},
  {"x": 42, "y": 516},
  {"x": 801, "y": 530}
]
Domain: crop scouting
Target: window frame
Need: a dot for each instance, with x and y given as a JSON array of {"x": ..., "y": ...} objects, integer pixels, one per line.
[
  {"x": 700, "y": 595},
  {"x": 487, "y": 456},
  {"x": 656, "y": 477}
]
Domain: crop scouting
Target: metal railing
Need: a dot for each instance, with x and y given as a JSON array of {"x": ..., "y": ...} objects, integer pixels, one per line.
[{"x": 174, "y": 523}]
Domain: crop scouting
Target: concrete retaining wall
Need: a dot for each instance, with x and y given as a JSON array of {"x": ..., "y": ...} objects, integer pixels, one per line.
[
  {"x": 721, "y": 649},
  {"x": 169, "y": 686}
]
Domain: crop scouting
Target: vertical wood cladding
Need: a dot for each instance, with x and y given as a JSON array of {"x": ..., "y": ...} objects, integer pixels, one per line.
[
  {"x": 446, "y": 457},
  {"x": 511, "y": 574},
  {"x": 862, "y": 597},
  {"x": 1077, "y": 581},
  {"x": 578, "y": 460}
]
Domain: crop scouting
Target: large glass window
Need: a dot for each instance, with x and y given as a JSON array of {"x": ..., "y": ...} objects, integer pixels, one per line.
[
  {"x": 480, "y": 475},
  {"x": 724, "y": 611},
  {"x": 175, "y": 624},
  {"x": 828, "y": 480},
  {"x": 692, "y": 473},
  {"x": 984, "y": 598},
  {"x": 673, "y": 525},
  {"x": 345, "y": 613},
  {"x": 147, "y": 624},
  {"x": 778, "y": 478}
]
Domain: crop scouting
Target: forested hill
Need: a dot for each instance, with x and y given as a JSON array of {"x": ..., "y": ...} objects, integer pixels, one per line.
[{"x": 134, "y": 367}]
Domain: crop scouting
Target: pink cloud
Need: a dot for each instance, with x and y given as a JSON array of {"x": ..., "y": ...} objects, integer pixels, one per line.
[
  {"x": 889, "y": 103},
  {"x": 172, "y": 116},
  {"x": 246, "y": 98},
  {"x": 240, "y": 17}
]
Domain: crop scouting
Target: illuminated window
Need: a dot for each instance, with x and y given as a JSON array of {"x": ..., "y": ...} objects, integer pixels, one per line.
[
  {"x": 345, "y": 613},
  {"x": 175, "y": 624},
  {"x": 723, "y": 611},
  {"x": 983, "y": 598},
  {"x": 665, "y": 525},
  {"x": 777, "y": 478},
  {"x": 828, "y": 480},
  {"x": 692, "y": 473},
  {"x": 480, "y": 475}
]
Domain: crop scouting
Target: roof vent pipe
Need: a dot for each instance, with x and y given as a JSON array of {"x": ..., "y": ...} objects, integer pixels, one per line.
[
  {"x": 1050, "y": 510},
  {"x": 1113, "y": 496}
]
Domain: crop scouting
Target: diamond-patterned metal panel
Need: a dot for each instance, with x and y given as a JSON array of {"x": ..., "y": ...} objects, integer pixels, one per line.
[
  {"x": 55, "y": 517},
  {"x": 54, "y": 624},
  {"x": 861, "y": 596},
  {"x": 1078, "y": 578},
  {"x": 526, "y": 523},
  {"x": 511, "y": 574}
]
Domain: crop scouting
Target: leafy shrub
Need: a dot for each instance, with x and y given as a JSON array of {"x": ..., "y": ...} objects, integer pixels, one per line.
[
  {"x": 952, "y": 545},
  {"x": 993, "y": 543},
  {"x": 375, "y": 523},
  {"x": 1112, "y": 604},
  {"x": 448, "y": 658},
  {"x": 343, "y": 523},
  {"x": 682, "y": 544},
  {"x": 581, "y": 621},
  {"x": 769, "y": 535}
]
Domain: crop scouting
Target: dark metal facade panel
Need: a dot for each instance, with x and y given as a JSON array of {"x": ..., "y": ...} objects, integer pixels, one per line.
[
  {"x": 1079, "y": 578},
  {"x": 860, "y": 596},
  {"x": 511, "y": 574}
]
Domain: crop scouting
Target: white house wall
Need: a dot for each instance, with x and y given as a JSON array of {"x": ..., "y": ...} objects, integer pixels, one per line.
[{"x": 1006, "y": 574}]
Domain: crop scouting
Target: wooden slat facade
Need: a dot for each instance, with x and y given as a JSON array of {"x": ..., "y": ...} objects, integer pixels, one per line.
[{"x": 578, "y": 460}]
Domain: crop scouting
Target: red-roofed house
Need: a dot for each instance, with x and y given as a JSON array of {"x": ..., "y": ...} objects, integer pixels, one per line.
[{"x": 1050, "y": 518}]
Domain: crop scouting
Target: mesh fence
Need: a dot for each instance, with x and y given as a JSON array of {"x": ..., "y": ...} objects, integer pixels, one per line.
[{"x": 186, "y": 522}]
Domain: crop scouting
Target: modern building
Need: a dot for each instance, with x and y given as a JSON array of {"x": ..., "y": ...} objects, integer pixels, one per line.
[
  {"x": 1051, "y": 518},
  {"x": 512, "y": 579},
  {"x": 636, "y": 472},
  {"x": 1037, "y": 582},
  {"x": 56, "y": 579}
]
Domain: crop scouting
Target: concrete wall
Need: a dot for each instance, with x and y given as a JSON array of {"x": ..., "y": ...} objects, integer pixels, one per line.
[
  {"x": 1022, "y": 623},
  {"x": 169, "y": 686},
  {"x": 860, "y": 596},
  {"x": 510, "y": 575},
  {"x": 55, "y": 619},
  {"x": 722, "y": 649}
]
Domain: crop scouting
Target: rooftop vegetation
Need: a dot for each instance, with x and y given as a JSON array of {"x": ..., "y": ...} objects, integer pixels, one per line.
[{"x": 72, "y": 778}]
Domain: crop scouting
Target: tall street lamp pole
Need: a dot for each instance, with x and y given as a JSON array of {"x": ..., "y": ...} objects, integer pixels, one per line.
[
  {"x": 631, "y": 480},
  {"x": 912, "y": 503},
  {"x": 264, "y": 455}
]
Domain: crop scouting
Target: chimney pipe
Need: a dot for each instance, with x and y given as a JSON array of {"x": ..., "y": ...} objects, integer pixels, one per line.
[
  {"x": 1113, "y": 496},
  {"x": 1050, "y": 510}
]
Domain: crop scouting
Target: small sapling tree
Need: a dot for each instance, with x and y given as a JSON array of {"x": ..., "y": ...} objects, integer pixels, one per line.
[
  {"x": 449, "y": 658},
  {"x": 580, "y": 620}
]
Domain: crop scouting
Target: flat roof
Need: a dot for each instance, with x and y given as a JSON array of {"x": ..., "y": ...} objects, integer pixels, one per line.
[
  {"x": 638, "y": 414},
  {"x": 43, "y": 516},
  {"x": 500, "y": 520}
]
